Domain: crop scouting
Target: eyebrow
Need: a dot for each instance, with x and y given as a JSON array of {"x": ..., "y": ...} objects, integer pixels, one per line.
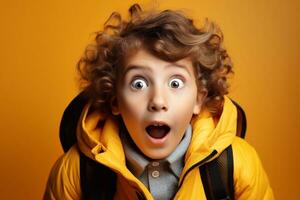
[
  {"x": 145, "y": 67},
  {"x": 135, "y": 67}
]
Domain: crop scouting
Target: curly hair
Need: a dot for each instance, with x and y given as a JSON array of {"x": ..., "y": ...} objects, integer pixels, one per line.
[{"x": 169, "y": 35}]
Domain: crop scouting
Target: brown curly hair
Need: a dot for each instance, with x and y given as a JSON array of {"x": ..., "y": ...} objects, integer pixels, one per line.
[{"x": 169, "y": 35}]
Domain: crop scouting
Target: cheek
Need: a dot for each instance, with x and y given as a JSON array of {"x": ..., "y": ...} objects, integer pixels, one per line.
[
  {"x": 184, "y": 106},
  {"x": 130, "y": 106},
  {"x": 185, "y": 99}
]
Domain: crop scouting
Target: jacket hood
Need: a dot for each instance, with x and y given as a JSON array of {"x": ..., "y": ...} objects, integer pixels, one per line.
[
  {"x": 98, "y": 137},
  {"x": 211, "y": 135}
]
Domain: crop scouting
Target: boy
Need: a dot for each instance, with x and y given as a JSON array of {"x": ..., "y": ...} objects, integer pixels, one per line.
[{"x": 157, "y": 112}]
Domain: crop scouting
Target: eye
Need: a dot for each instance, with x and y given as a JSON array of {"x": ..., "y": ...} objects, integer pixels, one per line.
[
  {"x": 139, "y": 84},
  {"x": 176, "y": 83}
]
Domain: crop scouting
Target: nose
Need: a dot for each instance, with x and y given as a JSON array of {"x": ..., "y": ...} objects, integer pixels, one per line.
[{"x": 157, "y": 101}]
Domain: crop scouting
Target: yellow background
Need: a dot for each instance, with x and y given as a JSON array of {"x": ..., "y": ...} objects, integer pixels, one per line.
[{"x": 41, "y": 42}]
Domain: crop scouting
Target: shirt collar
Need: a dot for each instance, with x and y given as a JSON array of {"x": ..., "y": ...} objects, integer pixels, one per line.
[{"x": 137, "y": 161}]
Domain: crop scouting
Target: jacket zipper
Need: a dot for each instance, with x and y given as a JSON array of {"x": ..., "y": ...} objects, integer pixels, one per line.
[{"x": 197, "y": 165}]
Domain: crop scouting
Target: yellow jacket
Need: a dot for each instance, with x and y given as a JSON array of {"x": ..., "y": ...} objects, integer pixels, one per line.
[{"x": 104, "y": 146}]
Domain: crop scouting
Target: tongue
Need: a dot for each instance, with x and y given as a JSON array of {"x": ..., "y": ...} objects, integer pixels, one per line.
[{"x": 157, "y": 132}]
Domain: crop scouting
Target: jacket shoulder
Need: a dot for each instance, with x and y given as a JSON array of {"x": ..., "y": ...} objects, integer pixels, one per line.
[
  {"x": 64, "y": 179},
  {"x": 250, "y": 178}
]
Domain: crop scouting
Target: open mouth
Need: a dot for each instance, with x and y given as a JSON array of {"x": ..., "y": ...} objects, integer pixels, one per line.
[{"x": 158, "y": 131}]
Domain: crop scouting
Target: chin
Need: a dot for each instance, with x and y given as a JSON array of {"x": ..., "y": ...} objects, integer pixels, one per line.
[{"x": 157, "y": 155}]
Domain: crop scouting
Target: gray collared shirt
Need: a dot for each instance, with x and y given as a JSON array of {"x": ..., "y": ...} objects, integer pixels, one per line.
[{"x": 159, "y": 176}]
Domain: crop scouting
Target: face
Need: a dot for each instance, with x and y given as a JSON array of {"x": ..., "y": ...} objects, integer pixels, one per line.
[{"x": 157, "y": 100}]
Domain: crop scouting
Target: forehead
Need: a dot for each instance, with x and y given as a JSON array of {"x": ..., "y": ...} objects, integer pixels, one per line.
[{"x": 142, "y": 59}]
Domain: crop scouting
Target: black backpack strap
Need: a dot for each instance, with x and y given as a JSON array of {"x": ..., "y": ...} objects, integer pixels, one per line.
[
  {"x": 97, "y": 181},
  {"x": 217, "y": 177},
  {"x": 68, "y": 124},
  {"x": 241, "y": 121}
]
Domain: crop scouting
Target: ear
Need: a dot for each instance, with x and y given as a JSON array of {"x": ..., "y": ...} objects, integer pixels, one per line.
[
  {"x": 114, "y": 106},
  {"x": 199, "y": 102}
]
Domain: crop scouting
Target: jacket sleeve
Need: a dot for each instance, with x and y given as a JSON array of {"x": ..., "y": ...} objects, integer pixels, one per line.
[
  {"x": 250, "y": 179},
  {"x": 64, "y": 178}
]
